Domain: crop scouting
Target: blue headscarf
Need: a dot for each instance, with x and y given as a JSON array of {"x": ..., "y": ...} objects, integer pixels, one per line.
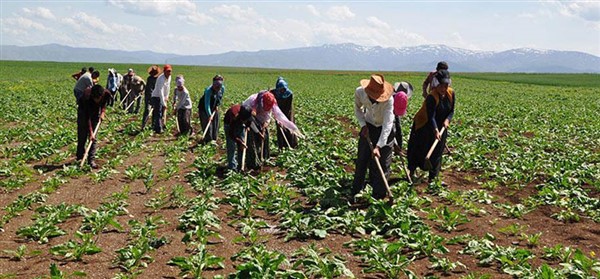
[{"x": 281, "y": 83}]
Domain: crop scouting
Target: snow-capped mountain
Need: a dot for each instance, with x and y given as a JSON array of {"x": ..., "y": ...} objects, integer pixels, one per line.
[{"x": 346, "y": 56}]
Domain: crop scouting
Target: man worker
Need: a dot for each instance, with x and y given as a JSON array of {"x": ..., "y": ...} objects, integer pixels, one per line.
[
  {"x": 373, "y": 107},
  {"x": 85, "y": 81},
  {"x": 91, "y": 108},
  {"x": 160, "y": 96}
]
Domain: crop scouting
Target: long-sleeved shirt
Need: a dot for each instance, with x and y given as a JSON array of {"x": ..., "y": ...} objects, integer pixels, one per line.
[
  {"x": 84, "y": 82},
  {"x": 111, "y": 83},
  {"x": 182, "y": 99},
  {"x": 212, "y": 99},
  {"x": 162, "y": 88},
  {"x": 90, "y": 109},
  {"x": 376, "y": 114},
  {"x": 265, "y": 116}
]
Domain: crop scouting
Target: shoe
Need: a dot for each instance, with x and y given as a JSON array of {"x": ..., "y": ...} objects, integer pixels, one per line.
[{"x": 93, "y": 165}]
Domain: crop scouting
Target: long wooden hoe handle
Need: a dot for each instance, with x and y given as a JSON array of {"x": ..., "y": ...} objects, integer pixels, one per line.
[
  {"x": 125, "y": 98},
  {"x": 387, "y": 186},
  {"x": 87, "y": 149},
  {"x": 177, "y": 122},
  {"x": 435, "y": 142},
  {"x": 149, "y": 116},
  {"x": 284, "y": 137},
  {"x": 208, "y": 124},
  {"x": 136, "y": 98},
  {"x": 245, "y": 148}
]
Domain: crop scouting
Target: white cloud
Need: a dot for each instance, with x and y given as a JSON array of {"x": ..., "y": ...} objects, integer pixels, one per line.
[
  {"x": 22, "y": 23},
  {"x": 589, "y": 11},
  {"x": 378, "y": 23},
  {"x": 340, "y": 13},
  {"x": 236, "y": 13},
  {"x": 145, "y": 8},
  {"x": 94, "y": 23},
  {"x": 312, "y": 10},
  {"x": 155, "y": 8},
  {"x": 199, "y": 19},
  {"x": 39, "y": 12}
]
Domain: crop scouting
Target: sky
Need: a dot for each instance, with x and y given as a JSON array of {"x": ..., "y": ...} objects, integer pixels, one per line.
[{"x": 208, "y": 27}]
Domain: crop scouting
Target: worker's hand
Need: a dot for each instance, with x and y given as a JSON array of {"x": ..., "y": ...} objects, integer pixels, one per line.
[
  {"x": 241, "y": 143},
  {"x": 425, "y": 93},
  {"x": 438, "y": 136},
  {"x": 376, "y": 152},
  {"x": 364, "y": 132},
  {"x": 298, "y": 134},
  {"x": 446, "y": 123},
  {"x": 102, "y": 116},
  {"x": 92, "y": 137}
]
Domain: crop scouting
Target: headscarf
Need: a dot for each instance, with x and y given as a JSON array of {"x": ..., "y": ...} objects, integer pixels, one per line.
[
  {"x": 282, "y": 84},
  {"x": 179, "y": 80}
]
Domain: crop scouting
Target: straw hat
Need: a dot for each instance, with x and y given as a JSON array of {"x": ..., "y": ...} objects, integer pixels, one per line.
[
  {"x": 377, "y": 88},
  {"x": 154, "y": 70}
]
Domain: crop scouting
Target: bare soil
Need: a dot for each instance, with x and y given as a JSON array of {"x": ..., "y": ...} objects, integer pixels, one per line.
[{"x": 584, "y": 235}]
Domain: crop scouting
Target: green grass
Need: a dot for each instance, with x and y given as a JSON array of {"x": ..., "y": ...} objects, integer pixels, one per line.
[
  {"x": 509, "y": 130},
  {"x": 570, "y": 80}
]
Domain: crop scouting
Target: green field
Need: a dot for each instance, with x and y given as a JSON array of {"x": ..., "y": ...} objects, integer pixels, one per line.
[{"x": 522, "y": 198}]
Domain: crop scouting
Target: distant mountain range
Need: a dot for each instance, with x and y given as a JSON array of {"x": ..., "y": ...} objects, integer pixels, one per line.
[{"x": 334, "y": 57}]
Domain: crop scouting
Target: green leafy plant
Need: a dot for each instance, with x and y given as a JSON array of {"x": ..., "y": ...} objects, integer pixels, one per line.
[
  {"x": 76, "y": 250},
  {"x": 21, "y": 253},
  {"x": 195, "y": 264},
  {"x": 448, "y": 220},
  {"x": 56, "y": 273},
  {"x": 512, "y": 229},
  {"x": 445, "y": 265},
  {"x": 319, "y": 262},
  {"x": 532, "y": 239}
]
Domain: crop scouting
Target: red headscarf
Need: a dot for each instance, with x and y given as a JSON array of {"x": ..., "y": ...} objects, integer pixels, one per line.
[{"x": 268, "y": 101}]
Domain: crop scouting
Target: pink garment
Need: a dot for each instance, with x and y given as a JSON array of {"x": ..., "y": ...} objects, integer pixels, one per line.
[
  {"x": 400, "y": 103},
  {"x": 265, "y": 116}
]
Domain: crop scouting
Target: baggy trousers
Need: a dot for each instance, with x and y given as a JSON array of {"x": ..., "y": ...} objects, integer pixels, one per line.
[
  {"x": 157, "y": 114},
  {"x": 83, "y": 133},
  {"x": 184, "y": 118},
  {"x": 366, "y": 161}
]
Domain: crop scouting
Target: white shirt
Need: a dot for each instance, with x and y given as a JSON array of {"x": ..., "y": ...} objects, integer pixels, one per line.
[
  {"x": 162, "y": 88},
  {"x": 84, "y": 82},
  {"x": 376, "y": 114},
  {"x": 182, "y": 99}
]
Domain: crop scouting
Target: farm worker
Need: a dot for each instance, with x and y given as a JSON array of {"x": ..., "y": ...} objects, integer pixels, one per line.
[
  {"x": 430, "y": 81},
  {"x": 84, "y": 82},
  {"x": 127, "y": 88},
  {"x": 402, "y": 92},
  {"x": 373, "y": 107},
  {"x": 112, "y": 85},
  {"x": 160, "y": 95},
  {"x": 237, "y": 118},
  {"x": 262, "y": 104},
  {"x": 153, "y": 72},
  {"x": 208, "y": 104},
  {"x": 138, "y": 86},
  {"x": 94, "y": 79},
  {"x": 91, "y": 108},
  {"x": 436, "y": 112},
  {"x": 77, "y": 75},
  {"x": 182, "y": 105},
  {"x": 284, "y": 97}
]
